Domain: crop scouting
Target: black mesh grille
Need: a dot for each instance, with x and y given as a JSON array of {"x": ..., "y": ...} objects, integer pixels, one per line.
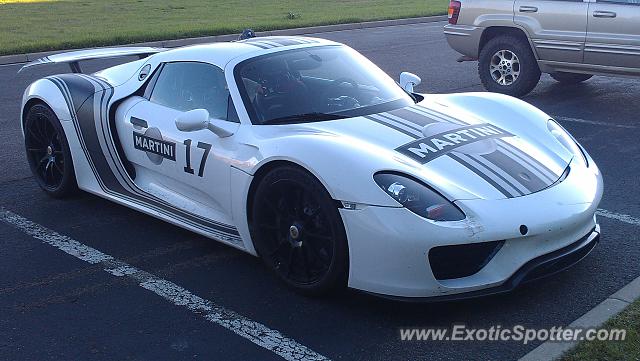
[{"x": 463, "y": 260}]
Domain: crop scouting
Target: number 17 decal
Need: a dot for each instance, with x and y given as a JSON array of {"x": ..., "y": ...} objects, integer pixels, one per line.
[{"x": 206, "y": 147}]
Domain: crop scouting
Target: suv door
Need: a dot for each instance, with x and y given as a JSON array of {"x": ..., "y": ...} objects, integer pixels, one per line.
[
  {"x": 189, "y": 170},
  {"x": 557, "y": 28},
  {"x": 613, "y": 35}
]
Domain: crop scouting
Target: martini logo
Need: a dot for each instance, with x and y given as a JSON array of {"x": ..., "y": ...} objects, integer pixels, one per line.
[
  {"x": 441, "y": 138},
  {"x": 156, "y": 148}
]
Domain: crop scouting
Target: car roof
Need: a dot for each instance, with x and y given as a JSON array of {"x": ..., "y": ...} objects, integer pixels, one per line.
[{"x": 220, "y": 54}]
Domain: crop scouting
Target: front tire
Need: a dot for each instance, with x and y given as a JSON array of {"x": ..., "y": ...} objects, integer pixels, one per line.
[
  {"x": 48, "y": 152},
  {"x": 298, "y": 232},
  {"x": 570, "y": 78},
  {"x": 507, "y": 65}
]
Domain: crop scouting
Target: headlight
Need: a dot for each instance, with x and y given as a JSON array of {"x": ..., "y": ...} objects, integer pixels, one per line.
[
  {"x": 567, "y": 141},
  {"x": 418, "y": 197}
]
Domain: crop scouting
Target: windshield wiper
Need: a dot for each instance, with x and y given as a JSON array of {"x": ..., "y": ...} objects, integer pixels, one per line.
[{"x": 302, "y": 118}]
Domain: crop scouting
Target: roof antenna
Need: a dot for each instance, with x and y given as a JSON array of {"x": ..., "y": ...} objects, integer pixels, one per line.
[{"x": 247, "y": 34}]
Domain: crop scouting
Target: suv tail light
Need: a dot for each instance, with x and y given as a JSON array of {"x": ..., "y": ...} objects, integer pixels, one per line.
[{"x": 454, "y": 11}]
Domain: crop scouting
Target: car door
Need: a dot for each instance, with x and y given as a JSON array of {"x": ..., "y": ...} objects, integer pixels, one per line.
[
  {"x": 189, "y": 169},
  {"x": 557, "y": 28},
  {"x": 613, "y": 35}
]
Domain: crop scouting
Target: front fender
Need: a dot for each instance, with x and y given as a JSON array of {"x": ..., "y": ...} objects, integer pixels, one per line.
[{"x": 344, "y": 166}]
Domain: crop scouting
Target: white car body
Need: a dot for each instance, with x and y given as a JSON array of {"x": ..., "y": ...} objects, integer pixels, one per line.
[{"x": 388, "y": 245}]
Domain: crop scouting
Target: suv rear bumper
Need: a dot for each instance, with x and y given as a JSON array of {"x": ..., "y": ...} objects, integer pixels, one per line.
[{"x": 464, "y": 39}]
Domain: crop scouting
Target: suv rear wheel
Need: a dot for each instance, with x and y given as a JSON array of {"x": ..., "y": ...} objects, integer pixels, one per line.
[
  {"x": 507, "y": 65},
  {"x": 570, "y": 78}
]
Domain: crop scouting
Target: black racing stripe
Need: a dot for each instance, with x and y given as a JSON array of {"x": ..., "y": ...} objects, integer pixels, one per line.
[
  {"x": 107, "y": 135},
  {"x": 498, "y": 175},
  {"x": 71, "y": 106},
  {"x": 423, "y": 119},
  {"x": 439, "y": 115},
  {"x": 79, "y": 89},
  {"x": 286, "y": 42},
  {"x": 415, "y": 118},
  {"x": 452, "y": 156},
  {"x": 159, "y": 202},
  {"x": 514, "y": 169},
  {"x": 469, "y": 166},
  {"x": 258, "y": 45},
  {"x": 268, "y": 43},
  {"x": 67, "y": 97},
  {"x": 102, "y": 170},
  {"x": 392, "y": 127},
  {"x": 90, "y": 159},
  {"x": 104, "y": 101},
  {"x": 271, "y": 43},
  {"x": 482, "y": 175},
  {"x": 533, "y": 161},
  {"x": 307, "y": 40},
  {"x": 105, "y": 98},
  {"x": 395, "y": 121}
]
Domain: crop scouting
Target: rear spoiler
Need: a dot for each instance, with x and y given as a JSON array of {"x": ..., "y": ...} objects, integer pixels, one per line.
[{"x": 73, "y": 58}]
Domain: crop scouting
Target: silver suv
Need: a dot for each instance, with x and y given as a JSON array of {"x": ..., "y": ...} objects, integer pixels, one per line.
[{"x": 515, "y": 40}]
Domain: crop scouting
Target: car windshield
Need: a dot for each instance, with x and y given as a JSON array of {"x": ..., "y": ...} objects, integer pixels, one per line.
[{"x": 315, "y": 84}]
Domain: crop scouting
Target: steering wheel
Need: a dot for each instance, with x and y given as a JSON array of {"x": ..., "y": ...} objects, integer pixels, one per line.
[
  {"x": 334, "y": 97},
  {"x": 337, "y": 83}
]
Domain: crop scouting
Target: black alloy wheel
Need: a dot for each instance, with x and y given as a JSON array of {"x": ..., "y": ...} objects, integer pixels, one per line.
[
  {"x": 298, "y": 231},
  {"x": 48, "y": 153}
]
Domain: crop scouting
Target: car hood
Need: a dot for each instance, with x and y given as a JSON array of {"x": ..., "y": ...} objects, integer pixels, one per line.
[{"x": 467, "y": 146}]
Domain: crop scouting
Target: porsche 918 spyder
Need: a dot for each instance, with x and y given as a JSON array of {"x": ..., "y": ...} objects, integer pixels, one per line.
[{"x": 304, "y": 153}]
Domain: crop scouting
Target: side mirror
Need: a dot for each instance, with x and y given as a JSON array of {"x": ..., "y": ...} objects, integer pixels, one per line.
[
  {"x": 409, "y": 80},
  {"x": 193, "y": 120},
  {"x": 198, "y": 119}
]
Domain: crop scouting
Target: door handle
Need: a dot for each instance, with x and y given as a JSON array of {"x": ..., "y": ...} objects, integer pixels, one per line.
[
  {"x": 604, "y": 14},
  {"x": 528, "y": 9},
  {"x": 139, "y": 122}
]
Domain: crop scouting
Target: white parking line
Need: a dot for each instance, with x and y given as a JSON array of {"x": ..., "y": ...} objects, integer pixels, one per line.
[
  {"x": 618, "y": 216},
  {"x": 577, "y": 120},
  {"x": 253, "y": 331}
]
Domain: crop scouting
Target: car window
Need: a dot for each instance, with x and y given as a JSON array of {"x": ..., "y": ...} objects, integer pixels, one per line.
[
  {"x": 314, "y": 84},
  {"x": 186, "y": 86}
]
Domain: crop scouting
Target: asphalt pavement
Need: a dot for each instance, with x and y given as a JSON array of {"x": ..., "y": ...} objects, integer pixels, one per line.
[{"x": 54, "y": 306}]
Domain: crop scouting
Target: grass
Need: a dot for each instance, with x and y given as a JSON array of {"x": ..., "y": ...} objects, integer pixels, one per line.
[
  {"x": 629, "y": 349},
  {"x": 39, "y": 25}
]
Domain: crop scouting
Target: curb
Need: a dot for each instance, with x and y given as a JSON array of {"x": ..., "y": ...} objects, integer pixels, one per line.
[
  {"x": 592, "y": 319},
  {"x": 23, "y": 58}
]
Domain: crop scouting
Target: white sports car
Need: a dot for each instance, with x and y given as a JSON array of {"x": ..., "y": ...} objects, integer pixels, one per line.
[{"x": 303, "y": 152}]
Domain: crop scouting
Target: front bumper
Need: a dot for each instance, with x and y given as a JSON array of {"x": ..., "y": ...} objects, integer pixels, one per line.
[
  {"x": 540, "y": 267},
  {"x": 389, "y": 247}
]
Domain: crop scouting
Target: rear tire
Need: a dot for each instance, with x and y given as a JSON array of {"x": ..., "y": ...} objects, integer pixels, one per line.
[
  {"x": 507, "y": 65},
  {"x": 48, "y": 152},
  {"x": 298, "y": 232},
  {"x": 570, "y": 78}
]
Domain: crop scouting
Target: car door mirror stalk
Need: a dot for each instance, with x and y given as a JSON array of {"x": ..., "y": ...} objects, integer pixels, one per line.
[
  {"x": 217, "y": 126},
  {"x": 198, "y": 119}
]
